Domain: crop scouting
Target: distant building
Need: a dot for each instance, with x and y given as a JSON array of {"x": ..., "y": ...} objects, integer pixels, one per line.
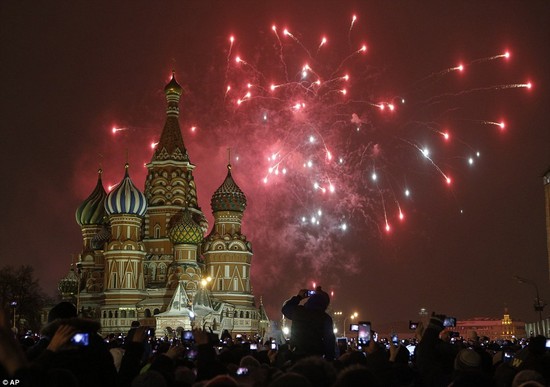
[
  {"x": 494, "y": 329},
  {"x": 145, "y": 256}
]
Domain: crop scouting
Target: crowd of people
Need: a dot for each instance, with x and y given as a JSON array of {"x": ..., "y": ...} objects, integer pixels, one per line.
[{"x": 71, "y": 352}]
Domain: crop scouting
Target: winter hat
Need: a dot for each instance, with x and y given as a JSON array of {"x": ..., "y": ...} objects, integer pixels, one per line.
[
  {"x": 528, "y": 377},
  {"x": 537, "y": 345},
  {"x": 467, "y": 360},
  {"x": 62, "y": 310},
  {"x": 319, "y": 300}
]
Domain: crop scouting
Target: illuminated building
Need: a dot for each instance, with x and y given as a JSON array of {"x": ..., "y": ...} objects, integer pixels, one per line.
[
  {"x": 495, "y": 329},
  {"x": 145, "y": 255}
]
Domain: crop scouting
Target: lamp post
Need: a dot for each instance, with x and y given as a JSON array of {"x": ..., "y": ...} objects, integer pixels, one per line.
[
  {"x": 13, "y": 304},
  {"x": 354, "y": 315},
  {"x": 539, "y": 304}
]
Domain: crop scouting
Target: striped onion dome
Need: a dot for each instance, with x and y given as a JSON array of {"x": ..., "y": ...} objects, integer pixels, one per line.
[
  {"x": 92, "y": 210},
  {"x": 126, "y": 198},
  {"x": 182, "y": 229},
  {"x": 228, "y": 197}
]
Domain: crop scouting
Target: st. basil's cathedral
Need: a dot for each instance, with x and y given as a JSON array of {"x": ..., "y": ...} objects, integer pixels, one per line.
[{"x": 145, "y": 256}]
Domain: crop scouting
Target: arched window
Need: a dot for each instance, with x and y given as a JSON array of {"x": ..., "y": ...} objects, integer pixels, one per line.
[
  {"x": 110, "y": 314},
  {"x": 116, "y": 313},
  {"x": 123, "y": 314},
  {"x": 157, "y": 231},
  {"x": 247, "y": 315},
  {"x": 241, "y": 314},
  {"x": 104, "y": 314},
  {"x": 132, "y": 314},
  {"x": 147, "y": 313},
  {"x": 156, "y": 311}
]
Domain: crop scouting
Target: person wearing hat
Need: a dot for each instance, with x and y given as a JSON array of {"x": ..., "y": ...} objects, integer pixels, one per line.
[{"x": 312, "y": 328}]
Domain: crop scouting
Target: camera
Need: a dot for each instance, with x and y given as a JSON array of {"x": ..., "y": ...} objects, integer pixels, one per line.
[
  {"x": 81, "y": 339},
  {"x": 449, "y": 322},
  {"x": 310, "y": 293},
  {"x": 413, "y": 325}
]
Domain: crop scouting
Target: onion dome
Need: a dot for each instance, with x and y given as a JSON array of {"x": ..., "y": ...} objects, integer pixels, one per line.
[
  {"x": 228, "y": 197},
  {"x": 92, "y": 210},
  {"x": 126, "y": 198},
  {"x": 184, "y": 230},
  {"x": 101, "y": 237},
  {"x": 173, "y": 87},
  {"x": 69, "y": 285}
]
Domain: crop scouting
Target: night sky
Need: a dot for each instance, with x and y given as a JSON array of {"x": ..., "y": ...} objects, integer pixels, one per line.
[{"x": 71, "y": 71}]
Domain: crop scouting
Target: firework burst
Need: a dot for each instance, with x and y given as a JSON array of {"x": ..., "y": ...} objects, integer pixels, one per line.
[{"x": 320, "y": 135}]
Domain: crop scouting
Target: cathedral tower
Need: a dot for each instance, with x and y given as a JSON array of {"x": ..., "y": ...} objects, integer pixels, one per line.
[
  {"x": 169, "y": 187},
  {"x": 93, "y": 221},
  {"x": 227, "y": 253},
  {"x": 186, "y": 236},
  {"x": 124, "y": 254}
]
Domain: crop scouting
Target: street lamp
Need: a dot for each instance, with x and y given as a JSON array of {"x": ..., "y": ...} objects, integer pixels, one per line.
[
  {"x": 354, "y": 315},
  {"x": 13, "y": 304},
  {"x": 539, "y": 304}
]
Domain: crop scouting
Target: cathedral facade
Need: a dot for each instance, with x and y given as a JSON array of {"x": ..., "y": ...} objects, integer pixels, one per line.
[{"x": 145, "y": 255}]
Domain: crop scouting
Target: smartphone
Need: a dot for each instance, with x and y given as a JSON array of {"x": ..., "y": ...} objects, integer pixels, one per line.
[
  {"x": 274, "y": 346},
  {"x": 191, "y": 354},
  {"x": 353, "y": 327},
  {"x": 242, "y": 371},
  {"x": 395, "y": 339},
  {"x": 310, "y": 293},
  {"x": 449, "y": 322},
  {"x": 507, "y": 356},
  {"x": 253, "y": 346},
  {"x": 81, "y": 339},
  {"x": 151, "y": 332},
  {"x": 413, "y": 325},
  {"x": 187, "y": 336},
  {"x": 547, "y": 343},
  {"x": 364, "y": 333}
]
